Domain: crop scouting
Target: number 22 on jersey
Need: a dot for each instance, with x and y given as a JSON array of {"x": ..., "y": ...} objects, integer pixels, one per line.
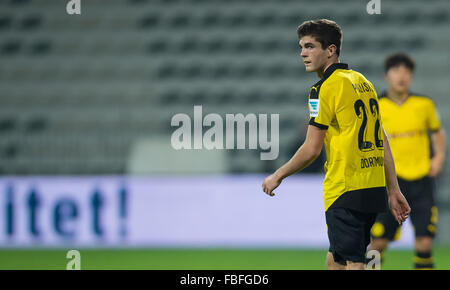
[{"x": 364, "y": 143}]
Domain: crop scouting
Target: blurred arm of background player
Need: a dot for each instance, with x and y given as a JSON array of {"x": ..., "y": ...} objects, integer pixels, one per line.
[
  {"x": 304, "y": 156},
  {"x": 397, "y": 202},
  {"x": 439, "y": 144}
]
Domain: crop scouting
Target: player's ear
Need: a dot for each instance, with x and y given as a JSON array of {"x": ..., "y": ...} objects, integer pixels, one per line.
[{"x": 331, "y": 50}]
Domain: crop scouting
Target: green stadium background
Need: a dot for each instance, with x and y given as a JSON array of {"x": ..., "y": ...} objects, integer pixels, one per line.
[{"x": 93, "y": 95}]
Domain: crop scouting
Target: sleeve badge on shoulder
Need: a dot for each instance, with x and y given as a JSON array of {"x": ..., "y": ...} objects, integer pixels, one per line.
[{"x": 314, "y": 107}]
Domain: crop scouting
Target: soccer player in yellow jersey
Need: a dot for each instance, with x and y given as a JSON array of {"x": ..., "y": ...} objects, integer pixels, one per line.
[
  {"x": 408, "y": 118},
  {"x": 360, "y": 178}
]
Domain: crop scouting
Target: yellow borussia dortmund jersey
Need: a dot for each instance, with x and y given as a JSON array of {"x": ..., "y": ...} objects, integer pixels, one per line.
[
  {"x": 345, "y": 104},
  {"x": 407, "y": 128}
]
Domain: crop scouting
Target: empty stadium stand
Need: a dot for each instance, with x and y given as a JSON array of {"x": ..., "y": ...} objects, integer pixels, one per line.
[{"x": 77, "y": 91}]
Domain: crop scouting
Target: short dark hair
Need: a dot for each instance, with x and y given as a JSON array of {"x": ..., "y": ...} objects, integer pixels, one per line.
[
  {"x": 397, "y": 59},
  {"x": 325, "y": 31}
]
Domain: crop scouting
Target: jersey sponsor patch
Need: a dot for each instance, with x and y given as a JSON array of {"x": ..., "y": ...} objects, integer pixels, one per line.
[{"x": 314, "y": 107}]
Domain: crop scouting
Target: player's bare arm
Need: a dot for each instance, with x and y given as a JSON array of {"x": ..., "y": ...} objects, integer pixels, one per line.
[
  {"x": 397, "y": 202},
  {"x": 304, "y": 156},
  {"x": 438, "y": 141}
]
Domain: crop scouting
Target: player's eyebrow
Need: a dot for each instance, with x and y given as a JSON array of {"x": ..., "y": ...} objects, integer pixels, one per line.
[{"x": 308, "y": 44}]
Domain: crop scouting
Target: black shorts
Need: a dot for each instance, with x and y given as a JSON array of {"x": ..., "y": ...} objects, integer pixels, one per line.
[
  {"x": 420, "y": 196},
  {"x": 349, "y": 234}
]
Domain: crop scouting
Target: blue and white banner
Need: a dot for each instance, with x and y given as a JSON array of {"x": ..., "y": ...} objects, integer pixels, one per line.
[{"x": 203, "y": 211}]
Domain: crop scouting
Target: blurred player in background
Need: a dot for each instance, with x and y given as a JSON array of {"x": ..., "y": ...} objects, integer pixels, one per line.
[
  {"x": 344, "y": 115},
  {"x": 408, "y": 118}
]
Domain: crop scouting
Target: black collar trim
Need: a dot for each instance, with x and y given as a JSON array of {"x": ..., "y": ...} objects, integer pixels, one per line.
[
  {"x": 384, "y": 94},
  {"x": 332, "y": 68}
]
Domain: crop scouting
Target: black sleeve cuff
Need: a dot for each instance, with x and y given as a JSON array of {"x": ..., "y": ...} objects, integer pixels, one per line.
[
  {"x": 320, "y": 126},
  {"x": 435, "y": 130}
]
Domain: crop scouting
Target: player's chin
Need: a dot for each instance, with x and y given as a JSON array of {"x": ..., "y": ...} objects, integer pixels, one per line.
[
  {"x": 309, "y": 68},
  {"x": 401, "y": 89}
]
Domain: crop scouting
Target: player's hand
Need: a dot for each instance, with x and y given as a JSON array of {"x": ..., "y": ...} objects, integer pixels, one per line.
[
  {"x": 435, "y": 167},
  {"x": 399, "y": 206},
  {"x": 270, "y": 183}
]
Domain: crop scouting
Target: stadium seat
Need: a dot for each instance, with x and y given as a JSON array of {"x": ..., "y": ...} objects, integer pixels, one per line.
[
  {"x": 7, "y": 125},
  {"x": 11, "y": 47},
  {"x": 5, "y": 22}
]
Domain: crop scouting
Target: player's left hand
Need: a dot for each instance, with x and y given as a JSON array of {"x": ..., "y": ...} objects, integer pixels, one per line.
[
  {"x": 270, "y": 183},
  {"x": 399, "y": 206}
]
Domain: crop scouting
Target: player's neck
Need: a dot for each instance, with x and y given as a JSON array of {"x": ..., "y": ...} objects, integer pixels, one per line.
[
  {"x": 397, "y": 97},
  {"x": 321, "y": 72}
]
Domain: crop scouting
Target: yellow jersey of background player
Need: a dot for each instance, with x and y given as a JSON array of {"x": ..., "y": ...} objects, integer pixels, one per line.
[
  {"x": 407, "y": 124},
  {"x": 408, "y": 119},
  {"x": 344, "y": 116}
]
